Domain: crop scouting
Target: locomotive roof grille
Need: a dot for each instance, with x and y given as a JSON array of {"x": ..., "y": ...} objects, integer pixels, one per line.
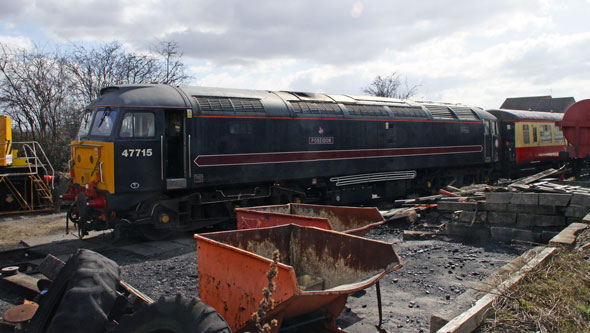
[
  {"x": 464, "y": 113},
  {"x": 315, "y": 107},
  {"x": 408, "y": 111},
  {"x": 440, "y": 111},
  {"x": 229, "y": 104},
  {"x": 366, "y": 110}
]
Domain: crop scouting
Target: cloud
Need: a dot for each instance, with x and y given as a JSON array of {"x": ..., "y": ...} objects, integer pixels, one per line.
[
  {"x": 475, "y": 52},
  {"x": 16, "y": 42},
  {"x": 224, "y": 31}
]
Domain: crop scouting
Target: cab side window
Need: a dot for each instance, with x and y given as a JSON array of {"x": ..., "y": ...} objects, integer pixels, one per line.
[{"x": 138, "y": 125}]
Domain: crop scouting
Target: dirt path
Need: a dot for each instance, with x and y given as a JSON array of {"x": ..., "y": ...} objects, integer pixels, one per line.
[{"x": 14, "y": 228}]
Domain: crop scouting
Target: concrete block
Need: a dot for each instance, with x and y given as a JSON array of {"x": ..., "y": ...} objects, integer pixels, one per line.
[
  {"x": 498, "y": 197},
  {"x": 502, "y": 218},
  {"x": 531, "y": 220},
  {"x": 554, "y": 199},
  {"x": 467, "y": 232},
  {"x": 531, "y": 199},
  {"x": 577, "y": 211},
  {"x": 567, "y": 237},
  {"x": 472, "y": 217},
  {"x": 532, "y": 209},
  {"x": 580, "y": 199},
  {"x": 527, "y": 235},
  {"x": 501, "y": 233},
  {"x": 586, "y": 219},
  {"x": 495, "y": 206},
  {"x": 453, "y": 206}
]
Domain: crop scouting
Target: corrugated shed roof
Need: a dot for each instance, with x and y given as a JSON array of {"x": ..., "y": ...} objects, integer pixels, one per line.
[{"x": 538, "y": 103}]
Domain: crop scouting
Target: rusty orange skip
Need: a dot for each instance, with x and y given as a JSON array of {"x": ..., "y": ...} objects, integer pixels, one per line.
[
  {"x": 318, "y": 270},
  {"x": 351, "y": 220}
]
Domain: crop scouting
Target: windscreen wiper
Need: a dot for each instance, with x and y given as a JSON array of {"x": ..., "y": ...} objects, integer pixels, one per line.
[{"x": 105, "y": 114}]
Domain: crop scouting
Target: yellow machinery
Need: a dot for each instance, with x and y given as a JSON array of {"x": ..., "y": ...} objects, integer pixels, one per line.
[
  {"x": 6, "y": 145},
  {"x": 26, "y": 175}
]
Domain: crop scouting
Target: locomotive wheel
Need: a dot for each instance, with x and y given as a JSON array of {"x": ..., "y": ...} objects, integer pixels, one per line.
[
  {"x": 72, "y": 214},
  {"x": 80, "y": 298},
  {"x": 174, "y": 314}
]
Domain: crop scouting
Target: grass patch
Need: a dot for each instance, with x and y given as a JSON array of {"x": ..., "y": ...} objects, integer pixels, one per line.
[{"x": 555, "y": 297}]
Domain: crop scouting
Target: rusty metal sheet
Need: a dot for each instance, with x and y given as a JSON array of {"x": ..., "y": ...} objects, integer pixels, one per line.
[
  {"x": 21, "y": 313},
  {"x": 352, "y": 220},
  {"x": 23, "y": 280}
]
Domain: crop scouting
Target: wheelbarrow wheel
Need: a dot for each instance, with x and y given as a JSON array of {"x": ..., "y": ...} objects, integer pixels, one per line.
[
  {"x": 174, "y": 314},
  {"x": 80, "y": 298}
]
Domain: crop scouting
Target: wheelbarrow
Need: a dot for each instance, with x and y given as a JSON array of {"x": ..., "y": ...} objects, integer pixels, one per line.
[
  {"x": 317, "y": 271},
  {"x": 351, "y": 220}
]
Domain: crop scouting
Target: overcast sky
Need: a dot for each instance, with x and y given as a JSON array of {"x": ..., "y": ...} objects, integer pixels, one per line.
[{"x": 475, "y": 52}]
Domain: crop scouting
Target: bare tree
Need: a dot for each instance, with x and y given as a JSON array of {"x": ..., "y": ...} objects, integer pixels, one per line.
[
  {"x": 43, "y": 92},
  {"x": 390, "y": 86},
  {"x": 109, "y": 64},
  {"x": 35, "y": 92},
  {"x": 34, "y": 89},
  {"x": 174, "y": 70}
]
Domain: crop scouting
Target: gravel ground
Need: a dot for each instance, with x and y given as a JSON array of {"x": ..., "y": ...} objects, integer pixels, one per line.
[{"x": 434, "y": 273}]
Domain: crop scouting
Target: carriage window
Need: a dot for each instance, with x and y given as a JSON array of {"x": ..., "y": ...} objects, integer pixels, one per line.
[
  {"x": 546, "y": 133},
  {"x": 103, "y": 122},
  {"x": 526, "y": 134},
  {"x": 535, "y": 134},
  {"x": 138, "y": 125}
]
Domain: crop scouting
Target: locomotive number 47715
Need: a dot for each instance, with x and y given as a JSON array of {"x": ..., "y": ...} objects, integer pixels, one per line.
[{"x": 137, "y": 152}]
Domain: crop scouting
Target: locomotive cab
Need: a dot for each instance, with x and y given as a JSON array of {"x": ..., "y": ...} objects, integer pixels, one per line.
[{"x": 123, "y": 159}]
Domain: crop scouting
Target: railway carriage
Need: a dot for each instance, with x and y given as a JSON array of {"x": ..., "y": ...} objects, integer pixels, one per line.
[
  {"x": 165, "y": 157},
  {"x": 530, "y": 139}
]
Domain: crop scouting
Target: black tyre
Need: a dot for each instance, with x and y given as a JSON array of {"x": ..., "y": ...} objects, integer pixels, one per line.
[
  {"x": 81, "y": 297},
  {"x": 174, "y": 314}
]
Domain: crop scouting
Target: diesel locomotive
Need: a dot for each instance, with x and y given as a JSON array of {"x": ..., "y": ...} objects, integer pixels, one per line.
[{"x": 159, "y": 157}]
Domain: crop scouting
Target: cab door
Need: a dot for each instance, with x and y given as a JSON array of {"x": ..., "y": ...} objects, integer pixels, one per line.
[
  {"x": 491, "y": 140},
  {"x": 137, "y": 151},
  {"x": 174, "y": 156}
]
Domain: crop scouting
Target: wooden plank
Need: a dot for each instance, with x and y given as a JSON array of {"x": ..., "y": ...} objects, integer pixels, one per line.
[
  {"x": 415, "y": 234},
  {"x": 23, "y": 280},
  {"x": 472, "y": 318},
  {"x": 567, "y": 237}
]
